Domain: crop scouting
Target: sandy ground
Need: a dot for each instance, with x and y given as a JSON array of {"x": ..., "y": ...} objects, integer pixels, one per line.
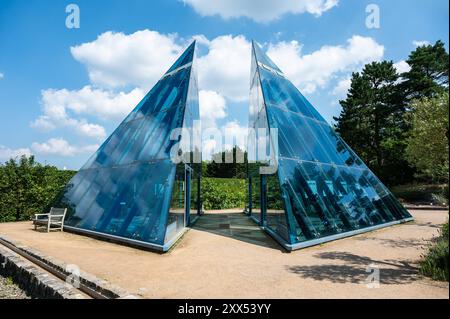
[{"x": 226, "y": 256}]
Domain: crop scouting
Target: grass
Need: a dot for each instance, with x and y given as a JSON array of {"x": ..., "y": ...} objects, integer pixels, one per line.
[
  {"x": 435, "y": 262},
  {"x": 421, "y": 194}
]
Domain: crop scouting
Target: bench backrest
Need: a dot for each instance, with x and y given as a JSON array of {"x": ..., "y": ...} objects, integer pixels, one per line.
[{"x": 57, "y": 211}]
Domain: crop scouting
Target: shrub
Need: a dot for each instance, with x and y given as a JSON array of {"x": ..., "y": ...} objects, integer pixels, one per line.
[
  {"x": 27, "y": 187},
  {"x": 223, "y": 193},
  {"x": 435, "y": 262}
]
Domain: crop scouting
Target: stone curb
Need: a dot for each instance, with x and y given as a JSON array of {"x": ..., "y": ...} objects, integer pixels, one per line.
[
  {"x": 100, "y": 286},
  {"x": 35, "y": 281}
]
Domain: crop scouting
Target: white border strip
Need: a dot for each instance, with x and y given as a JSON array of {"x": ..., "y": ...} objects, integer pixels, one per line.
[
  {"x": 184, "y": 66},
  {"x": 134, "y": 242}
]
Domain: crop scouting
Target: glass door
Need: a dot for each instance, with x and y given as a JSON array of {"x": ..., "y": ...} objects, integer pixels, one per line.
[{"x": 187, "y": 211}]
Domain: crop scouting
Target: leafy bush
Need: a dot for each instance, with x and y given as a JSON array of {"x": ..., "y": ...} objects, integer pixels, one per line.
[
  {"x": 223, "y": 193},
  {"x": 27, "y": 188},
  {"x": 435, "y": 262}
]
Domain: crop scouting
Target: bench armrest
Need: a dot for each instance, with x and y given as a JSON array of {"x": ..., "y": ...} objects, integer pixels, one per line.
[{"x": 39, "y": 215}]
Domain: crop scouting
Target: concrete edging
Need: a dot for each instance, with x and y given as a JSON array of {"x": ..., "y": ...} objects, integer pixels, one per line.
[
  {"x": 35, "y": 281},
  {"x": 15, "y": 265}
]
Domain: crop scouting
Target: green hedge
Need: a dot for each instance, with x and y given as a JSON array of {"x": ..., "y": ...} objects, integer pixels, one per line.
[
  {"x": 27, "y": 188},
  {"x": 223, "y": 193}
]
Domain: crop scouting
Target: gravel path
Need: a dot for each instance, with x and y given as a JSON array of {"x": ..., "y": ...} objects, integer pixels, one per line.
[
  {"x": 8, "y": 290},
  {"x": 225, "y": 255}
]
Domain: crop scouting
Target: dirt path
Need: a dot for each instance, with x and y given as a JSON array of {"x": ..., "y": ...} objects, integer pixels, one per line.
[{"x": 226, "y": 256}]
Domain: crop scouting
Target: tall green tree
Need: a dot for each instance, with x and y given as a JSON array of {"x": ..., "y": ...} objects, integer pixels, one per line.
[
  {"x": 428, "y": 143},
  {"x": 428, "y": 75},
  {"x": 372, "y": 121}
]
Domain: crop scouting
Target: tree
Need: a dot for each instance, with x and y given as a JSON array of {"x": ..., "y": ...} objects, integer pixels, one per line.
[
  {"x": 429, "y": 72},
  {"x": 372, "y": 121},
  {"x": 27, "y": 187},
  {"x": 428, "y": 143},
  {"x": 218, "y": 168}
]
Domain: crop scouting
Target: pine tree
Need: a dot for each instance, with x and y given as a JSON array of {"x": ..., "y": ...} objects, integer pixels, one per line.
[
  {"x": 429, "y": 72},
  {"x": 372, "y": 122}
]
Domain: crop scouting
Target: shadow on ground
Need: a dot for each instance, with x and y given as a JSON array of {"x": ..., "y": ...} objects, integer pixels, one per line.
[
  {"x": 354, "y": 269},
  {"x": 237, "y": 226},
  {"x": 395, "y": 243}
]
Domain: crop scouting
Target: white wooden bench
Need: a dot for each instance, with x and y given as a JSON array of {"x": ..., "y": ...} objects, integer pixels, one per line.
[{"x": 52, "y": 221}]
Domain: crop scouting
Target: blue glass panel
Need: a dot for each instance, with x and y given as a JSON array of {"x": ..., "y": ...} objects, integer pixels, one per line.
[
  {"x": 295, "y": 136},
  {"x": 276, "y": 218},
  {"x": 281, "y": 93},
  {"x": 327, "y": 189},
  {"x": 169, "y": 92},
  {"x": 123, "y": 201},
  {"x": 125, "y": 188}
]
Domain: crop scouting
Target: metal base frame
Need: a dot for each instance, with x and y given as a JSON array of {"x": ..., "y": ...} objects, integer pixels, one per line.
[{"x": 318, "y": 241}]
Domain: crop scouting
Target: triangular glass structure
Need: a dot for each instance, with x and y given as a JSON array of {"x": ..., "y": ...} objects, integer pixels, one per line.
[
  {"x": 130, "y": 189},
  {"x": 321, "y": 189}
]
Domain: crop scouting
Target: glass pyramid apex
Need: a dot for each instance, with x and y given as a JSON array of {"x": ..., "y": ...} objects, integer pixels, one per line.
[
  {"x": 185, "y": 58},
  {"x": 261, "y": 57}
]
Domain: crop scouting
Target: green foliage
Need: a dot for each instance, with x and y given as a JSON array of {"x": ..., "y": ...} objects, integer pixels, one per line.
[
  {"x": 220, "y": 169},
  {"x": 27, "y": 187},
  {"x": 372, "y": 123},
  {"x": 428, "y": 142},
  {"x": 223, "y": 193},
  {"x": 435, "y": 262},
  {"x": 429, "y": 71},
  {"x": 375, "y": 118}
]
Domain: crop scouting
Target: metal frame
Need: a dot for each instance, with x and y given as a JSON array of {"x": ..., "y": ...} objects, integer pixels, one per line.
[
  {"x": 129, "y": 241},
  {"x": 318, "y": 241}
]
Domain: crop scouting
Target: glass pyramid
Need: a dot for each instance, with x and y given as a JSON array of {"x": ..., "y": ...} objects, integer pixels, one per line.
[
  {"x": 130, "y": 189},
  {"x": 321, "y": 189}
]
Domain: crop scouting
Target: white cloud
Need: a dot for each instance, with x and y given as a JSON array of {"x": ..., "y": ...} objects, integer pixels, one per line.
[
  {"x": 226, "y": 67},
  {"x": 315, "y": 70},
  {"x": 237, "y": 131},
  {"x": 138, "y": 59},
  {"x": 420, "y": 43},
  {"x": 212, "y": 107},
  {"x": 104, "y": 104},
  {"x": 60, "y": 107},
  {"x": 402, "y": 67},
  {"x": 342, "y": 87},
  {"x": 7, "y": 153},
  {"x": 1, "y": 75},
  {"x": 259, "y": 10},
  {"x": 60, "y": 147}
]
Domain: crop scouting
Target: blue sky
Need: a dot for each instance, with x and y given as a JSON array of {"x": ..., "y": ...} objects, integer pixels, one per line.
[{"x": 63, "y": 91}]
